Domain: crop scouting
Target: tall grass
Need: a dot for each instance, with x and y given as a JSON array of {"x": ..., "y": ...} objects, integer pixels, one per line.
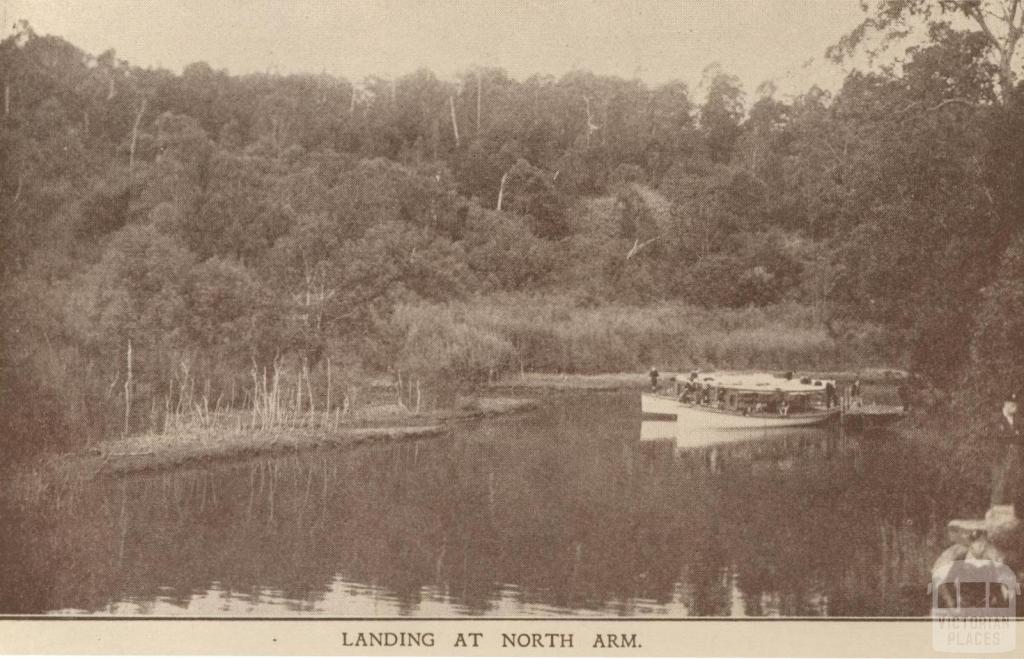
[
  {"x": 438, "y": 351},
  {"x": 554, "y": 334},
  {"x": 288, "y": 394}
]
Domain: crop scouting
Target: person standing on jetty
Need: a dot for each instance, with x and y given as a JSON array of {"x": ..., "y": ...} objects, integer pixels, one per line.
[
  {"x": 654, "y": 379},
  {"x": 1006, "y": 473}
]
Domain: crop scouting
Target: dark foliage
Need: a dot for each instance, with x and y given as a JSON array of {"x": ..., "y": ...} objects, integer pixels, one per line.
[{"x": 218, "y": 224}]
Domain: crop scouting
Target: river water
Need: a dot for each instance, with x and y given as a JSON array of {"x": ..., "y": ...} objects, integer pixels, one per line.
[{"x": 577, "y": 509}]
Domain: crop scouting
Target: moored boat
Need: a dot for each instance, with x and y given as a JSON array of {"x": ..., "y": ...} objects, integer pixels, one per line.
[{"x": 745, "y": 401}]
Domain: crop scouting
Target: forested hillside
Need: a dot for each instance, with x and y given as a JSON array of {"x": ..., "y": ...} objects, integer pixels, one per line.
[{"x": 173, "y": 239}]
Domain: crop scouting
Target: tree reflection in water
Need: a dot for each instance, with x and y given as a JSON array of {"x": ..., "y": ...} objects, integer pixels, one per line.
[{"x": 565, "y": 511}]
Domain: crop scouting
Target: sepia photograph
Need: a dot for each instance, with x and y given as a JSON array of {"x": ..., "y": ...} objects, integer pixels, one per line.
[{"x": 383, "y": 313}]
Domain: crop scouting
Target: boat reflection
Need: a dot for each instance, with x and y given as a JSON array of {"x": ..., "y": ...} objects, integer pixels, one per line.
[
  {"x": 684, "y": 437},
  {"x": 562, "y": 512},
  {"x": 658, "y": 430},
  {"x": 772, "y": 449}
]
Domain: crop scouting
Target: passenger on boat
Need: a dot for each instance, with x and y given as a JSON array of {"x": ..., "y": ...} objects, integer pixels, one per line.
[
  {"x": 830, "y": 395},
  {"x": 1010, "y": 425},
  {"x": 784, "y": 408},
  {"x": 855, "y": 392}
]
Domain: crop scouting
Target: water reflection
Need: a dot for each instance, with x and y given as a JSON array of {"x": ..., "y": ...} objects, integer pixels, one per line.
[{"x": 569, "y": 511}]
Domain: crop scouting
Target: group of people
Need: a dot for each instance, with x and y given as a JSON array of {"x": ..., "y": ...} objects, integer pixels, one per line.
[
  {"x": 692, "y": 390},
  {"x": 695, "y": 392},
  {"x": 689, "y": 391}
]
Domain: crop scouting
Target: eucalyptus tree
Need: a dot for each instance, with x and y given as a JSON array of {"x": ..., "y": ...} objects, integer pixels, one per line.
[
  {"x": 931, "y": 166},
  {"x": 998, "y": 23}
]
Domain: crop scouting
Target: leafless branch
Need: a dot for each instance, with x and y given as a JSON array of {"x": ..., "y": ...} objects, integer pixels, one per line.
[
  {"x": 501, "y": 188},
  {"x": 974, "y": 11},
  {"x": 948, "y": 101},
  {"x": 637, "y": 246}
]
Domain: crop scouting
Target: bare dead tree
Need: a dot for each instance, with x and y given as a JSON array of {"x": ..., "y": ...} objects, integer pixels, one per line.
[
  {"x": 128, "y": 390},
  {"x": 135, "y": 135},
  {"x": 501, "y": 188},
  {"x": 637, "y": 246},
  {"x": 591, "y": 126},
  {"x": 455, "y": 122}
]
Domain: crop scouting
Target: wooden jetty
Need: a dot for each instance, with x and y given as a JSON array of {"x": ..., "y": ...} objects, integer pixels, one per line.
[{"x": 866, "y": 417}]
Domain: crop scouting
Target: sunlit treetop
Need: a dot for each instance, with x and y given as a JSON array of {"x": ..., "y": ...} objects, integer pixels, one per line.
[{"x": 999, "y": 22}]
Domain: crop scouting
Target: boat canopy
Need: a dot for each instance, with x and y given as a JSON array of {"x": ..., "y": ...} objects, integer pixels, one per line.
[{"x": 764, "y": 383}]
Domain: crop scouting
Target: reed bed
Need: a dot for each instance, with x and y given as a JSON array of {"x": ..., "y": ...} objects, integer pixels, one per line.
[
  {"x": 283, "y": 396},
  {"x": 555, "y": 334}
]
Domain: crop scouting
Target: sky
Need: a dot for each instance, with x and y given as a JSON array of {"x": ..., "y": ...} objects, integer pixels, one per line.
[{"x": 655, "y": 40}]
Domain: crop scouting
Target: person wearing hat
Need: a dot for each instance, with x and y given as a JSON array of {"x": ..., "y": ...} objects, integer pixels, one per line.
[
  {"x": 971, "y": 562},
  {"x": 1006, "y": 476},
  {"x": 654, "y": 379},
  {"x": 1009, "y": 421}
]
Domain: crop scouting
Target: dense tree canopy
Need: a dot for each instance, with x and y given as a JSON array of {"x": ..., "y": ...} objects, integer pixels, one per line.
[{"x": 221, "y": 223}]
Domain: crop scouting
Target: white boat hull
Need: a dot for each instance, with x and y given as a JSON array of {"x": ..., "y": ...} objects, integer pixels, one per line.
[
  {"x": 698, "y": 417},
  {"x": 657, "y": 404}
]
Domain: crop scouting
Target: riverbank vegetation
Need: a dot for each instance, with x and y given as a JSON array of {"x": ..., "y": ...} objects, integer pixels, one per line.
[{"x": 204, "y": 244}]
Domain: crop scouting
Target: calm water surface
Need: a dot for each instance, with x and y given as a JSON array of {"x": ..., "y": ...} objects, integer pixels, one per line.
[{"x": 578, "y": 509}]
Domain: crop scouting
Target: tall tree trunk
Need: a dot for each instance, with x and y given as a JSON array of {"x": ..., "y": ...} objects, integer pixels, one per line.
[
  {"x": 128, "y": 391},
  {"x": 501, "y": 189},
  {"x": 328, "y": 385},
  {"x": 455, "y": 122},
  {"x": 590, "y": 120},
  {"x": 135, "y": 136}
]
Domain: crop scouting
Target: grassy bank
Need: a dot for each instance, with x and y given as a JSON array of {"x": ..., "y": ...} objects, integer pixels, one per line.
[
  {"x": 155, "y": 452},
  {"x": 226, "y": 437},
  {"x": 573, "y": 381}
]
